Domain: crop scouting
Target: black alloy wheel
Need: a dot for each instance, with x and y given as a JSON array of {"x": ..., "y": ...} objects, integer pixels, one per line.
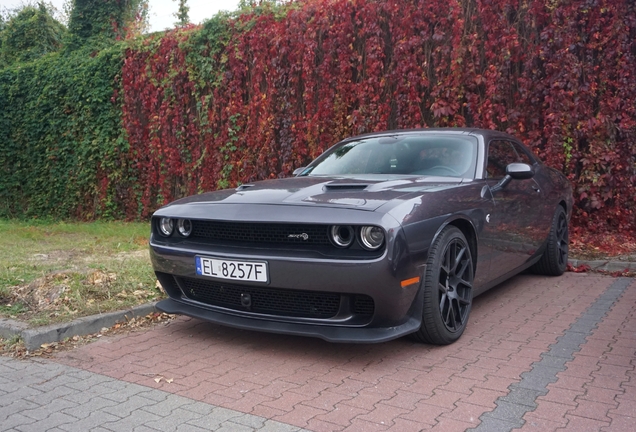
[
  {"x": 448, "y": 289},
  {"x": 554, "y": 260}
]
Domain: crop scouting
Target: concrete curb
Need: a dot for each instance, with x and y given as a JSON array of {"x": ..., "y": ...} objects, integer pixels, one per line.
[
  {"x": 10, "y": 328},
  {"x": 609, "y": 266},
  {"x": 34, "y": 337}
]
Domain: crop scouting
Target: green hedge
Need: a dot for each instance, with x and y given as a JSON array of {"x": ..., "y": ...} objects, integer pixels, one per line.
[{"x": 60, "y": 134}]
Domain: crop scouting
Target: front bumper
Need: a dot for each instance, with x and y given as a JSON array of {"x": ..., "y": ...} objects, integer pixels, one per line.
[
  {"x": 397, "y": 309},
  {"x": 328, "y": 333}
]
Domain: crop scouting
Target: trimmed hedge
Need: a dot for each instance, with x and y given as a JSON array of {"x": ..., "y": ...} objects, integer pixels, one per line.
[
  {"x": 61, "y": 136},
  {"x": 256, "y": 94}
]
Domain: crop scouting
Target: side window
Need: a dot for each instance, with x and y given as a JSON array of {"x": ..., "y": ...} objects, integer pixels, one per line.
[
  {"x": 500, "y": 154},
  {"x": 523, "y": 155}
]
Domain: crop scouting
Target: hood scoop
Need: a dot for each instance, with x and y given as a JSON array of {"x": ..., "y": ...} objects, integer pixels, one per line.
[
  {"x": 245, "y": 186},
  {"x": 337, "y": 186}
]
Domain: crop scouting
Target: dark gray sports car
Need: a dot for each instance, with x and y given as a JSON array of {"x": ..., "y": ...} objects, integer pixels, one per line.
[{"x": 384, "y": 235}]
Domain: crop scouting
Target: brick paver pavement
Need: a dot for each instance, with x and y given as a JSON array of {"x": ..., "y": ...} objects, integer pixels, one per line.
[
  {"x": 45, "y": 396},
  {"x": 539, "y": 353}
]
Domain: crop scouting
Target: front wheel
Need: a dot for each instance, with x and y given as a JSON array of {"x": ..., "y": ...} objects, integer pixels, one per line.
[
  {"x": 554, "y": 260},
  {"x": 448, "y": 289}
]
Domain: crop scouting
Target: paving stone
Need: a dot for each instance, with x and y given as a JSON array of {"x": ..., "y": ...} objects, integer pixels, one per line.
[
  {"x": 199, "y": 408},
  {"x": 490, "y": 424},
  {"x": 46, "y": 397},
  {"x": 9, "y": 406},
  {"x": 136, "y": 418},
  {"x": 90, "y": 382},
  {"x": 15, "y": 420},
  {"x": 157, "y": 396},
  {"x": 558, "y": 363},
  {"x": 177, "y": 417},
  {"x": 233, "y": 427},
  {"x": 128, "y": 405},
  {"x": 249, "y": 421},
  {"x": 214, "y": 419},
  {"x": 86, "y": 406},
  {"x": 25, "y": 392},
  {"x": 523, "y": 396},
  {"x": 189, "y": 428},
  {"x": 274, "y": 426},
  {"x": 520, "y": 362},
  {"x": 122, "y": 391},
  {"x": 165, "y": 407},
  {"x": 56, "y": 419},
  {"x": 142, "y": 428},
  {"x": 90, "y": 422},
  {"x": 43, "y": 411},
  {"x": 511, "y": 412}
]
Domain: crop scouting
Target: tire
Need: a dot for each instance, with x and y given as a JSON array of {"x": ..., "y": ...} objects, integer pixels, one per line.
[
  {"x": 554, "y": 260},
  {"x": 448, "y": 289}
]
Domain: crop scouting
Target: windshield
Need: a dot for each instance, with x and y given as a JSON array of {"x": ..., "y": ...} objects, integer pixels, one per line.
[{"x": 434, "y": 155}]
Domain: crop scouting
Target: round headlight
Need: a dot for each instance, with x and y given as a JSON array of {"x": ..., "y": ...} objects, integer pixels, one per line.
[
  {"x": 184, "y": 226},
  {"x": 166, "y": 226},
  {"x": 371, "y": 237},
  {"x": 342, "y": 235}
]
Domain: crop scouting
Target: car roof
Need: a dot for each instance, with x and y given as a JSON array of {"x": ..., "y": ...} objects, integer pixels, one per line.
[{"x": 486, "y": 133}]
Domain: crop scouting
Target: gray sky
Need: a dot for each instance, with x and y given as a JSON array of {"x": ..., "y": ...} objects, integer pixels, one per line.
[{"x": 161, "y": 11}]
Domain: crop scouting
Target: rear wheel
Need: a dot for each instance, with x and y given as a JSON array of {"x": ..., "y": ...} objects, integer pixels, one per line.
[
  {"x": 448, "y": 289},
  {"x": 554, "y": 260}
]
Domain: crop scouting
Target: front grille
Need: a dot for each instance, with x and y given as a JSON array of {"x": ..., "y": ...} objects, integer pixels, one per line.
[
  {"x": 261, "y": 233},
  {"x": 272, "y": 301}
]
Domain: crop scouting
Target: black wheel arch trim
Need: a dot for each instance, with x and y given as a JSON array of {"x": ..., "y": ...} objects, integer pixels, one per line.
[{"x": 471, "y": 236}]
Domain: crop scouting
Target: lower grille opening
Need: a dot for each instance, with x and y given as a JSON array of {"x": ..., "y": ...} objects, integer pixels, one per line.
[
  {"x": 363, "y": 305},
  {"x": 273, "y": 301}
]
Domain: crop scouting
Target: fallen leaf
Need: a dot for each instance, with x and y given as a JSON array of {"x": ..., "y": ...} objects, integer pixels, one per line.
[
  {"x": 158, "y": 379},
  {"x": 169, "y": 380}
]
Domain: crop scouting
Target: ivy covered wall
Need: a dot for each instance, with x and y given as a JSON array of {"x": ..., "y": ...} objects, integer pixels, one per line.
[
  {"x": 256, "y": 94},
  {"x": 61, "y": 133}
]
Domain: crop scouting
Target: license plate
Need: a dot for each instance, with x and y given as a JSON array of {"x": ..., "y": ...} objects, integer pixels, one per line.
[{"x": 252, "y": 271}]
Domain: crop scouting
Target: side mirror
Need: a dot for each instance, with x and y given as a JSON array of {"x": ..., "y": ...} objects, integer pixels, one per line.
[
  {"x": 298, "y": 170},
  {"x": 517, "y": 171}
]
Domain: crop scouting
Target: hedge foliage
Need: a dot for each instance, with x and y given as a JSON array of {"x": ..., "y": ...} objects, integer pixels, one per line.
[
  {"x": 29, "y": 35},
  {"x": 60, "y": 133},
  {"x": 99, "y": 20},
  {"x": 256, "y": 94}
]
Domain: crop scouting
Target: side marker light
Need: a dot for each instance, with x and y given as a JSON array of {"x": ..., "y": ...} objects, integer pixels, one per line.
[{"x": 407, "y": 282}]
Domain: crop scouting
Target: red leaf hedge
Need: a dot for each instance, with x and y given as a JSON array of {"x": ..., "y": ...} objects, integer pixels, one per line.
[{"x": 258, "y": 95}]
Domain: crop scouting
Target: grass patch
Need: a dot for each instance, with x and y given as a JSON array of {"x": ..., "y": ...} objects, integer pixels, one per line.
[{"x": 56, "y": 271}]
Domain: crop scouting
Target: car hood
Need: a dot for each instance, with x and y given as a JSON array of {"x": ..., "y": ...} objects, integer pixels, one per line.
[{"x": 360, "y": 192}]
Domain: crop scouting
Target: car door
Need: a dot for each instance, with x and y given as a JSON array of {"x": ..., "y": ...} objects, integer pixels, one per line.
[{"x": 509, "y": 228}]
